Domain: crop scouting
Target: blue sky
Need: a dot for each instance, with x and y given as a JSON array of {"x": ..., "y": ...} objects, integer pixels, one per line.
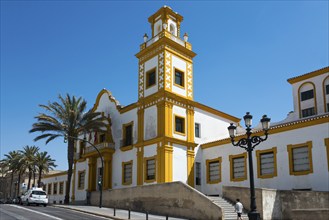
[{"x": 246, "y": 50}]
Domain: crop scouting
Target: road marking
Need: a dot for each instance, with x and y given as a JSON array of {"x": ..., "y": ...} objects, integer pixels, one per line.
[
  {"x": 16, "y": 216},
  {"x": 41, "y": 213}
]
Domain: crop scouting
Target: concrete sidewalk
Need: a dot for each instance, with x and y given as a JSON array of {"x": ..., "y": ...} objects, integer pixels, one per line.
[{"x": 120, "y": 214}]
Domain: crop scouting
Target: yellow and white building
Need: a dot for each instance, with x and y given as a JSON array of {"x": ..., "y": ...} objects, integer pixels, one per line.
[{"x": 167, "y": 136}]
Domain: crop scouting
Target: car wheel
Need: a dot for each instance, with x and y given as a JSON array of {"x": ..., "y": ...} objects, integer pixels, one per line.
[
  {"x": 37, "y": 204},
  {"x": 45, "y": 205}
]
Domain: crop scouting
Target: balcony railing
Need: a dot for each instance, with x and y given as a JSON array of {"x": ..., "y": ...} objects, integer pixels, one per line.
[
  {"x": 99, "y": 146},
  {"x": 165, "y": 34}
]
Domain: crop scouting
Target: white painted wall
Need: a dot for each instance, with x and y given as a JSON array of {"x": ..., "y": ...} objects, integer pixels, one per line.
[
  {"x": 149, "y": 65},
  {"x": 81, "y": 194},
  {"x": 150, "y": 122},
  {"x": 318, "y": 180},
  {"x": 157, "y": 27},
  {"x": 213, "y": 127},
  {"x": 173, "y": 24},
  {"x": 179, "y": 163},
  {"x": 181, "y": 65},
  {"x": 55, "y": 179}
]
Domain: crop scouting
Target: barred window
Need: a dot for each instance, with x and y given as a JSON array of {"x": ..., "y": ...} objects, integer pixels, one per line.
[
  {"x": 266, "y": 163},
  {"x": 238, "y": 171},
  {"x": 55, "y": 189},
  {"x": 179, "y": 124},
  {"x": 61, "y": 187},
  {"x": 300, "y": 158},
  {"x": 150, "y": 169},
  {"x": 81, "y": 179},
  {"x": 197, "y": 130},
  {"x": 127, "y": 173},
  {"x": 301, "y": 161},
  {"x": 213, "y": 169},
  {"x": 49, "y": 189},
  {"x": 179, "y": 78}
]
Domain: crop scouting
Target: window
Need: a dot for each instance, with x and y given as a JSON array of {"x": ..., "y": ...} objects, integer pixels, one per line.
[
  {"x": 238, "y": 164},
  {"x": 150, "y": 78},
  {"x": 309, "y": 94},
  {"x": 150, "y": 169},
  {"x": 214, "y": 170},
  {"x": 55, "y": 189},
  {"x": 180, "y": 124},
  {"x": 102, "y": 138},
  {"x": 49, "y": 189},
  {"x": 300, "y": 158},
  {"x": 127, "y": 172},
  {"x": 198, "y": 173},
  {"x": 197, "y": 130},
  {"x": 61, "y": 188},
  {"x": 179, "y": 78},
  {"x": 266, "y": 163},
  {"x": 44, "y": 187},
  {"x": 127, "y": 134},
  {"x": 308, "y": 112},
  {"x": 81, "y": 179},
  {"x": 327, "y": 89}
]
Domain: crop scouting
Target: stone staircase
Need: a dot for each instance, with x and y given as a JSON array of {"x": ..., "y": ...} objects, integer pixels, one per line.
[{"x": 227, "y": 208}]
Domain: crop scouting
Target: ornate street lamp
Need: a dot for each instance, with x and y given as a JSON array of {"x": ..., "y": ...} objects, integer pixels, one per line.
[
  {"x": 100, "y": 180},
  {"x": 249, "y": 143}
]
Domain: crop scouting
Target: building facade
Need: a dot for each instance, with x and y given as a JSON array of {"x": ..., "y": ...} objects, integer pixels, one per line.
[{"x": 167, "y": 136}]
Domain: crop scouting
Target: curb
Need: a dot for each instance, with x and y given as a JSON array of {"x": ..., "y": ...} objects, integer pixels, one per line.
[{"x": 89, "y": 212}]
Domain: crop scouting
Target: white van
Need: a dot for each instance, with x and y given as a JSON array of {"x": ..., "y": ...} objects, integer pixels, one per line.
[{"x": 35, "y": 196}]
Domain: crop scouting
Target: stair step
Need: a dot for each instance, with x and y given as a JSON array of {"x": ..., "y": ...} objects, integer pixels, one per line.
[{"x": 227, "y": 208}]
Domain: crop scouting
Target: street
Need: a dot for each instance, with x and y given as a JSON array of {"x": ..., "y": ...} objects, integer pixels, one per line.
[{"x": 11, "y": 212}]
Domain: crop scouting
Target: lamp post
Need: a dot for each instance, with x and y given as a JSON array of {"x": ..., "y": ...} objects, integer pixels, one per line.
[
  {"x": 100, "y": 180},
  {"x": 249, "y": 143}
]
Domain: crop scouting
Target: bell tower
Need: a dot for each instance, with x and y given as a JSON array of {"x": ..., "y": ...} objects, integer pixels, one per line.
[{"x": 165, "y": 59}]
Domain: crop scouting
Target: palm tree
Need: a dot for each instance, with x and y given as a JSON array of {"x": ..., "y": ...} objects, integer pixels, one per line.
[
  {"x": 44, "y": 163},
  {"x": 11, "y": 161},
  {"x": 67, "y": 118},
  {"x": 29, "y": 153}
]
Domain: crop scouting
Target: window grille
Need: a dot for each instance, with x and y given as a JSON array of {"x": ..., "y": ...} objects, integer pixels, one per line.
[{"x": 301, "y": 161}]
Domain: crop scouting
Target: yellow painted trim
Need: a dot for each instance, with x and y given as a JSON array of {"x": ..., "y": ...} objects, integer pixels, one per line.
[
  {"x": 140, "y": 156},
  {"x": 326, "y": 143},
  {"x": 216, "y": 112},
  {"x": 91, "y": 174},
  {"x": 148, "y": 77},
  {"x": 299, "y": 100},
  {"x": 276, "y": 129},
  {"x": 126, "y": 148},
  {"x": 308, "y": 75},
  {"x": 145, "y": 169},
  {"x": 161, "y": 119},
  {"x": 168, "y": 76},
  {"x": 290, "y": 148},
  {"x": 232, "y": 157},
  {"x": 184, "y": 125},
  {"x": 164, "y": 12},
  {"x": 59, "y": 190},
  {"x": 103, "y": 151},
  {"x": 107, "y": 179},
  {"x": 183, "y": 78},
  {"x": 190, "y": 125},
  {"x": 324, "y": 94},
  {"x": 168, "y": 119},
  {"x": 219, "y": 160},
  {"x": 84, "y": 177},
  {"x": 258, "y": 155},
  {"x": 190, "y": 167},
  {"x": 123, "y": 172}
]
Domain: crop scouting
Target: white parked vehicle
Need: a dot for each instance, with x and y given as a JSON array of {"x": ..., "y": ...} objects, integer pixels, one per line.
[{"x": 35, "y": 196}]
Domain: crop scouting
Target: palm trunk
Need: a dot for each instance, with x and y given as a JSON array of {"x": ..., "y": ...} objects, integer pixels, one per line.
[
  {"x": 19, "y": 182},
  {"x": 34, "y": 174},
  {"x": 70, "y": 153},
  {"x": 30, "y": 177},
  {"x": 11, "y": 184},
  {"x": 39, "y": 180}
]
